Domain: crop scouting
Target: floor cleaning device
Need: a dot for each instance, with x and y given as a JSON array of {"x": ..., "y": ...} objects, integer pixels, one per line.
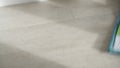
[{"x": 115, "y": 40}]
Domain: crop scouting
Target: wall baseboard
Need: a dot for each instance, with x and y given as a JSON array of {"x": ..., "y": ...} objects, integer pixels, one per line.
[{"x": 7, "y": 3}]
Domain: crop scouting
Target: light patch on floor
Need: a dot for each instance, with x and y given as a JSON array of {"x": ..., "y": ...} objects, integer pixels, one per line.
[{"x": 104, "y": 2}]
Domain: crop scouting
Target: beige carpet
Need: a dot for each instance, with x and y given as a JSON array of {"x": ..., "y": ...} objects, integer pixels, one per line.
[{"x": 58, "y": 34}]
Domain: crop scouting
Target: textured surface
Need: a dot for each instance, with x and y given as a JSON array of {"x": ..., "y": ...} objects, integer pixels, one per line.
[{"x": 58, "y": 34}]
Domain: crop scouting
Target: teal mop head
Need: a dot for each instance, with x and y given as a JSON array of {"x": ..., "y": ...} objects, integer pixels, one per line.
[{"x": 115, "y": 40}]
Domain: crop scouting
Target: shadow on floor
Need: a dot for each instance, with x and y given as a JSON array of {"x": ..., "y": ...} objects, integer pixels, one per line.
[{"x": 11, "y": 57}]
